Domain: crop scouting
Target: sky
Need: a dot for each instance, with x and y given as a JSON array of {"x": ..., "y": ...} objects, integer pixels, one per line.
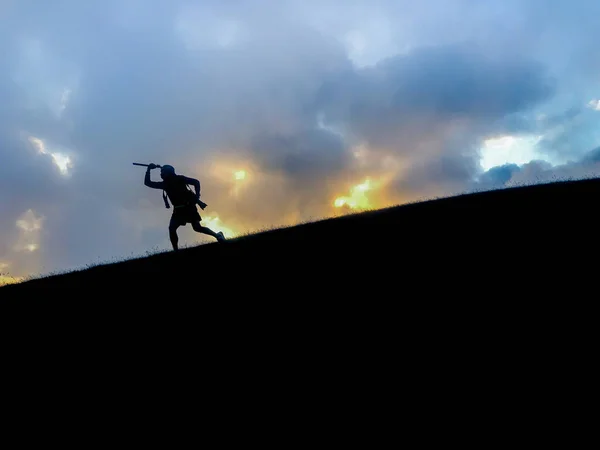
[{"x": 285, "y": 110}]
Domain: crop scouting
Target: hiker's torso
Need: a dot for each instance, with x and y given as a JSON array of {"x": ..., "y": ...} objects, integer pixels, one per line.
[{"x": 177, "y": 190}]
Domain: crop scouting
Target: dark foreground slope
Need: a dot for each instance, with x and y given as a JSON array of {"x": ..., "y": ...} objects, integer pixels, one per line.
[
  {"x": 481, "y": 258},
  {"x": 453, "y": 302}
]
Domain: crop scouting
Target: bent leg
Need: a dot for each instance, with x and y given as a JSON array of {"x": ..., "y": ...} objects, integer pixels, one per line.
[
  {"x": 173, "y": 225},
  {"x": 200, "y": 229}
]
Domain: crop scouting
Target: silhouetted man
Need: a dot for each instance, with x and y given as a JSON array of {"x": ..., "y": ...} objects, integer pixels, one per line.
[{"x": 183, "y": 199}]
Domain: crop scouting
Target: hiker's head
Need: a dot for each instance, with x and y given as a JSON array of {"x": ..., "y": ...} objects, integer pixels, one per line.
[{"x": 167, "y": 171}]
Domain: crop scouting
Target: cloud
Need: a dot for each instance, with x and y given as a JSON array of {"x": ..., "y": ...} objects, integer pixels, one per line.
[
  {"x": 498, "y": 176},
  {"x": 430, "y": 86},
  {"x": 539, "y": 171},
  {"x": 30, "y": 227},
  {"x": 431, "y": 109},
  {"x": 62, "y": 161},
  {"x": 309, "y": 154},
  {"x": 568, "y": 136},
  {"x": 594, "y": 104}
]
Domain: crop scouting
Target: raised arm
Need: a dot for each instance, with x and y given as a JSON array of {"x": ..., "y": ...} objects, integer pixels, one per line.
[
  {"x": 196, "y": 183},
  {"x": 148, "y": 182}
]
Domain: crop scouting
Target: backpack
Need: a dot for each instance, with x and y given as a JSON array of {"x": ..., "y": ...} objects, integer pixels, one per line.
[{"x": 189, "y": 192}]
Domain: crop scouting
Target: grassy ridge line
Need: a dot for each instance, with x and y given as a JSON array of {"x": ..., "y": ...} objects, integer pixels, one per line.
[{"x": 434, "y": 224}]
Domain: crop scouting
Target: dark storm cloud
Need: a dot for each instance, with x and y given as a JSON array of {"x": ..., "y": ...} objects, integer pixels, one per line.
[
  {"x": 571, "y": 135},
  {"x": 312, "y": 153},
  {"x": 447, "y": 173},
  {"x": 498, "y": 176},
  {"x": 592, "y": 157},
  {"x": 432, "y": 85}
]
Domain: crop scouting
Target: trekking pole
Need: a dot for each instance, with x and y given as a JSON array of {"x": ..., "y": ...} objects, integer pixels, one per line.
[{"x": 145, "y": 165}]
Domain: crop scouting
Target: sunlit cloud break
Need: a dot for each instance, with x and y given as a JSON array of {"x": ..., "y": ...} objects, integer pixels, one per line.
[
  {"x": 509, "y": 150},
  {"x": 30, "y": 227},
  {"x": 358, "y": 196},
  {"x": 6, "y": 278},
  {"x": 594, "y": 104},
  {"x": 63, "y": 162},
  {"x": 214, "y": 222}
]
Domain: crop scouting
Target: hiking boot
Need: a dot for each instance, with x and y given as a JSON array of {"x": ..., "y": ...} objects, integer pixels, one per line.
[{"x": 220, "y": 237}]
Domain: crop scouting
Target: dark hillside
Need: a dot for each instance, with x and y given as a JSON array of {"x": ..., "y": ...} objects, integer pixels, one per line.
[
  {"x": 484, "y": 301},
  {"x": 483, "y": 257}
]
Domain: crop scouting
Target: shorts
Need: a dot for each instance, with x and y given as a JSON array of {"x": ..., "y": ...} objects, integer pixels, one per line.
[{"x": 185, "y": 214}]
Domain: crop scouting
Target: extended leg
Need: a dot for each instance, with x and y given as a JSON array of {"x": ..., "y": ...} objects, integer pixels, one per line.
[
  {"x": 200, "y": 229},
  {"x": 173, "y": 225}
]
